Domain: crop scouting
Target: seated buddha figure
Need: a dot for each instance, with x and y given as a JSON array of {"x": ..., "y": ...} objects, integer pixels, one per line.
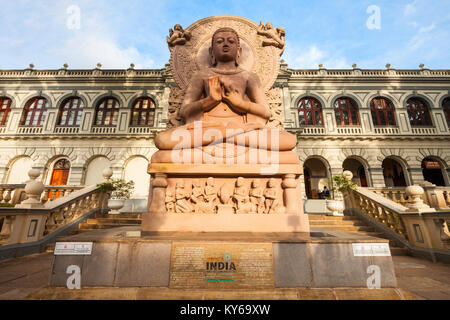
[{"x": 224, "y": 108}]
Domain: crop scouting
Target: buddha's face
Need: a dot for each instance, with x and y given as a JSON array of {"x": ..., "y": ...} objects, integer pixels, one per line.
[{"x": 225, "y": 46}]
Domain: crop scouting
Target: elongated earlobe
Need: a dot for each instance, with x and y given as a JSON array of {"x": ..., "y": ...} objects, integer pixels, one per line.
[
  {"x": 212, "y": 58},
  {"x": 238, "y": 57}
]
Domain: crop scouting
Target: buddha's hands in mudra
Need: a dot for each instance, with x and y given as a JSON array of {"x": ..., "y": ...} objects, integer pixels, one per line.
[{"x": 221, "y": 91}]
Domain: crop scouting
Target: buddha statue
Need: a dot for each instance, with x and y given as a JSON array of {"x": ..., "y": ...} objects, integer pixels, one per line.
[{"x": 226, "y": 112}]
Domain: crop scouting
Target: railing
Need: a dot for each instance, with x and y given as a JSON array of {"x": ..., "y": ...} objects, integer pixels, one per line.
[
  {"x": 141, "y": 130},
  {"x": 28, "y": 130},
  {"x": 313, "y": 130},
  {"x": 349, "y": 130},
  {"x": 387, "y": 130},
  {"x": 103, "y": 130},
  {"x": 382, "y": 210},
  {"x": 435, "y": 197},
  {"x": 396, "y": 194},
  {"x": 423, "y": 230},
  {"x": 426, "y": 130},
  {"x": 52, "y": 193},
  {"x": 27, "y": 225},
  {"x": 66, "y": 130},
  {"x": 12, "y": 194}
]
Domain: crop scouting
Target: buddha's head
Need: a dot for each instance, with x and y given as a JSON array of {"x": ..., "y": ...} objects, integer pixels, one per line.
[
  {"x": 225, "y": 46},
  {"x": 210, "y": 181},
  {"x": 255, "y": 183},
  {"x": 240, "y": 182}
]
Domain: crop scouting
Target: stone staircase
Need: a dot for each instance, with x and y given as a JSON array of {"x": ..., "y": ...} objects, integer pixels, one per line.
[
  {"x": 107, "y": 221},
  {"x": 351, "y": 224}
]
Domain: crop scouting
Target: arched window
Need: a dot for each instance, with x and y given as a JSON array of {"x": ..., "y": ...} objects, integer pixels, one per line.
[
  {"x": 418, "y": 112},
  {"x": 382, "y": 110},
  {"x": 34, "y": 112},
  {"x": 309, "y": 112},
  {"x": 5, "y": 108},
  {"x": 70, "y": 112},
  {"x": 107, "y": 112},
  {"x": 446, "y": 107},
  {"x": 346, "y": 112},
  {"x": 143, "y": 112}
]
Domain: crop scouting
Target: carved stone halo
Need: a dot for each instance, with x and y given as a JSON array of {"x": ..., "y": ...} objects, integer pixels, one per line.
[{"x": 187, "y": 59}]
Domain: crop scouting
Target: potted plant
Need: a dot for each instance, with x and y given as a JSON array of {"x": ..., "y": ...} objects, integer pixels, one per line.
[
  {"x": 120, "y": 190},
  {"x": 341, "y": 184}
]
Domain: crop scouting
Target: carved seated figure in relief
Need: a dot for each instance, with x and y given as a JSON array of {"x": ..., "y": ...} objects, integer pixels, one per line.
[{"x": 226, "y": 113}]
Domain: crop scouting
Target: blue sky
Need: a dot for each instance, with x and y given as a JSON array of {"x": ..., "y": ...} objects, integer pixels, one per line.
[{"x": 116, "y": 33}]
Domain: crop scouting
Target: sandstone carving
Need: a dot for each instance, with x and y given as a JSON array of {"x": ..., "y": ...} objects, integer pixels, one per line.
[
  {"x": 198, "y": 198},
  {"x": 229, "y": 102},
  {"x": 175, "y": 99},
  {"x": 274, "y": 99},
  {"x": 241, "y": 197},
  {"x": 178, "y": 36},
  {"x": 257, "y": 197},
  {"x": 170, "y": 202},
  {"x": 274, "y": 37},
  {"x": 271, "y": 203},
  {"x": 181, "y": 205}
]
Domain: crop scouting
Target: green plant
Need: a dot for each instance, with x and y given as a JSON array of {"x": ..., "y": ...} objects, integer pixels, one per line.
[
  {"x": 119, "y": 188},
  {"x": 341, "y": 184},
  {"x": 6, "y": 205}
]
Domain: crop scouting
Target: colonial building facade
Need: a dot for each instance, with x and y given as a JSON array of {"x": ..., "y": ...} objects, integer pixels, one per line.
[{"x": 389, "y": 127}]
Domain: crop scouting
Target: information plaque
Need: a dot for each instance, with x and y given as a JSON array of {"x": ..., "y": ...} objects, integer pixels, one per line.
[
  {"x": 371, "y": 250},
  {"x": 211, "y": 265},
  {"x": 73, "y": 248}
]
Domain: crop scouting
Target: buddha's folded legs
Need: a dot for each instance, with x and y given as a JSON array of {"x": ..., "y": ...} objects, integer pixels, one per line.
[{"x": 267, "y": 139}]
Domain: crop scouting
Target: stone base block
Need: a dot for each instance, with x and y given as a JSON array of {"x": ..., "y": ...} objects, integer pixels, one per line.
[
  {"x": 225, "y": 223},
  {"x": 228, "y": 264}
]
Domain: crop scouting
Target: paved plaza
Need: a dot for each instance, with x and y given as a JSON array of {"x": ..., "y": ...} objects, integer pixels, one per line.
[{"x": 28, "y": 278}]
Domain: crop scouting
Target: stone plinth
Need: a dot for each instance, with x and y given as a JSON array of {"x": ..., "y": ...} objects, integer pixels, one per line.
[{"x": 225, "y": 198}]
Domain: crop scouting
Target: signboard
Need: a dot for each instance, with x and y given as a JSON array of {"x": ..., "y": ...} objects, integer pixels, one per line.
[
  {"x": 371, "y": 250},
  {"x": 73, "y": 248},
  {"x": 432, "y": 165},
  {"x": 221, "y": 266}
]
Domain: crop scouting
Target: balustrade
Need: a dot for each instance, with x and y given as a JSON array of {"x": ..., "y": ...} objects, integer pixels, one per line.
[{"x": 381, "y": 213}]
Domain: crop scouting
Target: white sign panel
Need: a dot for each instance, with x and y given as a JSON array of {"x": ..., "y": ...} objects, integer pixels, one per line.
[
  {"x": 371, "y": 250},
  {"x": 73, "y": 248}
]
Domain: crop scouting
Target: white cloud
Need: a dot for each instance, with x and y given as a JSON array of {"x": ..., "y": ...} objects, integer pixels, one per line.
[
  {"x": 410, "y": 9},
  {"x": 418, "y": 40},
  {"x": 86, "y": 50},
  {"x": 311, "y": 57}
]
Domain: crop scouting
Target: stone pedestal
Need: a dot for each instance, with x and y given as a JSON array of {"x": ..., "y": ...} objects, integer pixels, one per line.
[{"x": 225, "y": 198}]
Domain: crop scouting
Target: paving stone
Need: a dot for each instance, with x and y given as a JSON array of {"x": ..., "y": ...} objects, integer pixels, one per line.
[
  {"x": 291, "y": 265},
  {"x": 143, "y": 264},
  {"x": 98, "y": 268}
]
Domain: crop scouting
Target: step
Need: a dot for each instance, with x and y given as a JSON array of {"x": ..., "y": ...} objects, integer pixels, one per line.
[
  {"x": 121, "y": 215},
  {"x": 114, "y": 221},
  {"x": 348, "y": 228},
  {"x": 398, "y": 251},
  {"x": 337, "y": 222},
  {"x": 325, "y": 217},
  {"x": 86, "y": 226}
]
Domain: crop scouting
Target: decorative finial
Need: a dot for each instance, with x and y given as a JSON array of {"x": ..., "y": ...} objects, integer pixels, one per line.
[
  {"x": 422, "y": 66},
  {"x": 99, "y": 65},
  {"x": 31, "y": 65},
  {"x": 321, "y": 66},
  {"x": 388, "y": 65},
  {"x": 354, "y": 66},
  {"x": 65, "y": 66},
  {"x": 131, "y": 65}
]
